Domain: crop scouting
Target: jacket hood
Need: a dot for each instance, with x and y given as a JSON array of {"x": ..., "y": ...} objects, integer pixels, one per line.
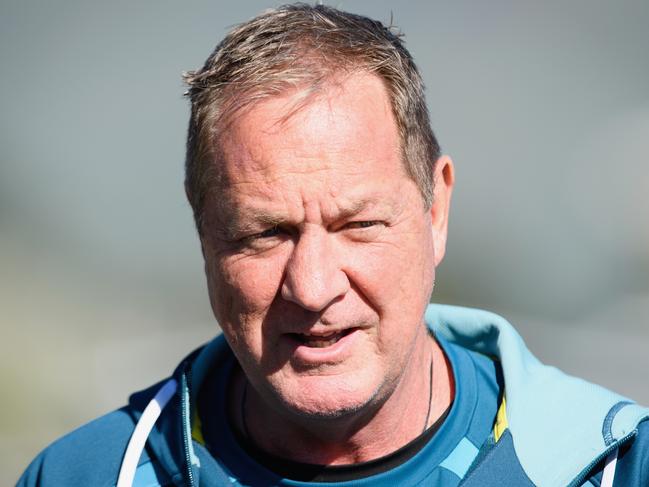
[{"x": 561, "y": 425}]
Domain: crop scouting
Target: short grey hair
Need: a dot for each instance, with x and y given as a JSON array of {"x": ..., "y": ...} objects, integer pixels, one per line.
[{"x": 300, "y": 45}]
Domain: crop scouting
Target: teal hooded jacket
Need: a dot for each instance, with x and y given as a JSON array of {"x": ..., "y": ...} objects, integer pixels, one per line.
[{"x": 598, "y": 438}]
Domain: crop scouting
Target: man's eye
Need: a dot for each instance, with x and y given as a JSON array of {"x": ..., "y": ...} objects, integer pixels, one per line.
[
  {"x": 364, "y": 230},
  {"x": 362, "y": 224},
  {"x": 263, "y": 239},
  {"x": 271, "y": 232}
]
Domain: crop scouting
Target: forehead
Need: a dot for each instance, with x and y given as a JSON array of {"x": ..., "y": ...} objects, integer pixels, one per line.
[{"x": 346, "y": 123}]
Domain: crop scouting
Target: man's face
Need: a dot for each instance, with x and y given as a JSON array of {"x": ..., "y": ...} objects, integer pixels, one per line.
[{"x": 319, "y": 252}]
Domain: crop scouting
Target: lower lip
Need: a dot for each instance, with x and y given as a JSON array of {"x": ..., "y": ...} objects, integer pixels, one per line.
[{"x": 337, "y": 352}]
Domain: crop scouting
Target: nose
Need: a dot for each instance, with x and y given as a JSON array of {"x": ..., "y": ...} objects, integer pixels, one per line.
[{"x": 313, "y": 276}]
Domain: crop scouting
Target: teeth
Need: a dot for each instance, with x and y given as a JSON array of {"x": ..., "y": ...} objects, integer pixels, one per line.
[{"x": 320, "y": 342}]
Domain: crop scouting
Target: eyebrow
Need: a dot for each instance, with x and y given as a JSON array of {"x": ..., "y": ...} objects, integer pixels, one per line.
[
  {"x": 235, "y": 227},
  {"x": 358, "y": 206}
]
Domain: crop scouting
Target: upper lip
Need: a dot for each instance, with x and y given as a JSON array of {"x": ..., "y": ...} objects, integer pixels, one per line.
[{"x": 323, "y": 331}]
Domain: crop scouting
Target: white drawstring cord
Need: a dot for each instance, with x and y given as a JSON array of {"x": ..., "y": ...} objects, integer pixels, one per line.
[
  {"x": 141, "y": 432},
  {"x": 609, "y": 469}
]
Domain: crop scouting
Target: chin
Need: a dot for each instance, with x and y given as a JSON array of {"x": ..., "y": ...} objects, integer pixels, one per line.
[{"x": 328, "y": 397}]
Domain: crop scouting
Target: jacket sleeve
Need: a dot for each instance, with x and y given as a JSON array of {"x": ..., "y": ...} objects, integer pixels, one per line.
[
  {"x": 90, "y": 455},
  {"x": 31, "y": 477}
]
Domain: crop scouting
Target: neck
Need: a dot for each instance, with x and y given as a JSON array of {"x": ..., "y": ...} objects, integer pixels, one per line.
[{"x": 421, "y": 396}]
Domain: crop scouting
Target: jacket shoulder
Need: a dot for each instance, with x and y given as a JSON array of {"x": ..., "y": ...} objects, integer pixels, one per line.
[
  {"x": 92, "y": 454},
  {"x": 89, "y": 455}
]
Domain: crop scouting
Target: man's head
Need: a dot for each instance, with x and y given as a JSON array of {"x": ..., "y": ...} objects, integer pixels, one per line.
[
  {"x": 320, "y": 243},
  {"x": 302, "y": 46}
]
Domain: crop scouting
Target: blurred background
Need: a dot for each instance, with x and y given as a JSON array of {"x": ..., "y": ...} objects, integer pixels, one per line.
[{"x": 543, "y": 106}]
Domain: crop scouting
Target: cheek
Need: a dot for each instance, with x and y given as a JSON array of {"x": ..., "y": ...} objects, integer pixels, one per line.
[
  {"x": 388, "y": 270},
  {"x": 241, "y": 289},
  {"x": 396, "y": 279}
]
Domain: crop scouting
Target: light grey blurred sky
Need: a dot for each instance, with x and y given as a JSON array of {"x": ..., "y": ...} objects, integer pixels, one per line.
[{"x": 543, "y": 106}]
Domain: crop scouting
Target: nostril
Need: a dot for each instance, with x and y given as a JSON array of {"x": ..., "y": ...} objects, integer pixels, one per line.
[{"x": 309, "y": 280}]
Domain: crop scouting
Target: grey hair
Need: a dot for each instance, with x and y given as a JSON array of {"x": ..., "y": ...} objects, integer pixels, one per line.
[{"x": 300, "y": 45}]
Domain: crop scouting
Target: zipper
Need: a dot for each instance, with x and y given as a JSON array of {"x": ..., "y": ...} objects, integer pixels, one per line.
[
  {"x": 579, "y": 480},
  {"x": 184, "y": 407}
]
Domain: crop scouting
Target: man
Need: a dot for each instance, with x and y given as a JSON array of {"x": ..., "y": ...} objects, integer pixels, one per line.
[{"x": 321, "y": 201}]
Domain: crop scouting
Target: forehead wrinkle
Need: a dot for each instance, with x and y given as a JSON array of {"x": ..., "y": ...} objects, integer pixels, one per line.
[
  {"x": 266, "y": 178},
  {"x": 257, "y": 165},
  {"x": 339, "y": 210}
]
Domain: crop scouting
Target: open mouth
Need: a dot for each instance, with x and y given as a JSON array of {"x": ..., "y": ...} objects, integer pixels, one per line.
[{"x": 321, "y": 341}]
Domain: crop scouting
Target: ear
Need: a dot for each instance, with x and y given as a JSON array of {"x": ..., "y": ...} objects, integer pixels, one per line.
[{"x": 444, "y": 179}]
